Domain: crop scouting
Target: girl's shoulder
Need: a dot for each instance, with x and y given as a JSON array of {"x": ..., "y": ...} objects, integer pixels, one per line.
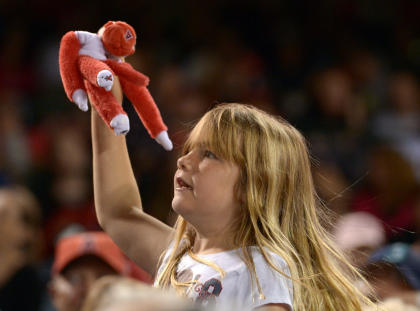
[
  {"x": 235, "y": 257},
  {"x": 269, "y": 264},
  {"x": 274, "y": 276},
  {"x": 268, "y": 255}
]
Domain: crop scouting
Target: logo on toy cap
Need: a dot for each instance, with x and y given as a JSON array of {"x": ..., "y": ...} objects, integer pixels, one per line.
[{"x": 128, "y": 35}]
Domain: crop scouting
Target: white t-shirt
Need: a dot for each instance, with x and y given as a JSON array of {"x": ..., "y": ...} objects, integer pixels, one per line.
[
  {"x": 91, "y": 45},
  {"x": 235, "y": 289}
]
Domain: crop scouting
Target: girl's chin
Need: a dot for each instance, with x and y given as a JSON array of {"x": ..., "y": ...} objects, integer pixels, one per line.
[{"x": 179, "y": 208}]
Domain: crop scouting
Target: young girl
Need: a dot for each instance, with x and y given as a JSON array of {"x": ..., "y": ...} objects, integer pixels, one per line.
[{"x": 248, "y": 231}]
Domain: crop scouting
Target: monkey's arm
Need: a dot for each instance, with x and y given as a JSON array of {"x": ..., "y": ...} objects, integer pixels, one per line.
[
  {"x": 69, "y": 70},
  {"x": 147, "y": 111},
  {"x": 127, "y": 73}
]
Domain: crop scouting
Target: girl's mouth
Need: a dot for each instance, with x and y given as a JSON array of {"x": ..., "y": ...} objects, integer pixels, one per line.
[{"x": 182, "y": 185}]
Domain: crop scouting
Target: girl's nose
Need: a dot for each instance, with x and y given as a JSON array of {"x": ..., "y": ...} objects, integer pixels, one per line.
[
  {"x": 181, "y": 163},
  {"x": 184, "y": 162}
]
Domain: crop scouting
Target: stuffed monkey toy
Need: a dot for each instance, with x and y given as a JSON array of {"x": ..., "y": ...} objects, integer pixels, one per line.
[{"x": 88, "y": 64}]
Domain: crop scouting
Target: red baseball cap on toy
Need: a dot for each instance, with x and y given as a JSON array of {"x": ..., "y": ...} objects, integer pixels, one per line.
[
  {"x": 119, "y": 38},
  {"x": 100, "y": 245}
]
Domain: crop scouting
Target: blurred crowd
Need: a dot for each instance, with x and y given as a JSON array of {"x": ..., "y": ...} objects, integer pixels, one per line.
[{"x": 345, "y": 73}]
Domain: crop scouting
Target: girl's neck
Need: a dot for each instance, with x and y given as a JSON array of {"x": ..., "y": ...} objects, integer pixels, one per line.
[{"x": 212, "y": 243}]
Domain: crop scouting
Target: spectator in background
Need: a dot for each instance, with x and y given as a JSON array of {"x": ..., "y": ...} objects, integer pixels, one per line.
[
  {"x": 367, "y": 72},
  {"x": 399, "y": 124},
  {"x": 79, "y": 261},
  {"x": 332, "y": 187},
  {"x": 336, "y": 122},
  {"x": 70, "y": 188},
  {"x": 391, "y": 193},
  {"x": 394, "y": 272},
  {"x": 359, "y": 235},
  {"x": 114, "y": 293},
  {"x": 20, "y": 225},
  {"x": 14, "y": 150}
]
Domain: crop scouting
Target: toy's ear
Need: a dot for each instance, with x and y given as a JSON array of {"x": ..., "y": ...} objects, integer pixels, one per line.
[
  {"x": 102, "y": 29},
  {"x": 108, "y": 24}
]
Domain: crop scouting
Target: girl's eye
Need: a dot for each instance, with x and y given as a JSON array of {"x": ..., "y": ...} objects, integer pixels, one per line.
[
  {"x": 185, "y": 151},
  {"x": 209, "y": 154}
]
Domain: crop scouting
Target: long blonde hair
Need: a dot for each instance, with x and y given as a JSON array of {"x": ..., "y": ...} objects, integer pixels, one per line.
[{"x": 280, "y": 213}]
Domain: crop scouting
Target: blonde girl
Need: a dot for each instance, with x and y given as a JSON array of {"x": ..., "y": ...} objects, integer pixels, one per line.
[{"x": 249, "y": 230}]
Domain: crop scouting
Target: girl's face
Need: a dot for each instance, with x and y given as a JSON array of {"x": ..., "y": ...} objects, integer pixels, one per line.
[{"x": 205, "y": 189}]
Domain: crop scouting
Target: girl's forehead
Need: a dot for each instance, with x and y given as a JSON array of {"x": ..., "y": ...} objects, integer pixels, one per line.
[
  {"x": 200, "y": 136},
  {"x": 197, "y": 143}
]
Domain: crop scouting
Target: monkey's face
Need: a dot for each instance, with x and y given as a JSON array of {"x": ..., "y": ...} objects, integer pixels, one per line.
[{"x": 119, "y": 38}]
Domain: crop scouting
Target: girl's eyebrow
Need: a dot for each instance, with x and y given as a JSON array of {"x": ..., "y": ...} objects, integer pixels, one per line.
[{"x": 200, "y": 145}]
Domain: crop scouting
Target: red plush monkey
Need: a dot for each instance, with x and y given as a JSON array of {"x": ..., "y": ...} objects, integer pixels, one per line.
[{"x": 88, "y": 64}]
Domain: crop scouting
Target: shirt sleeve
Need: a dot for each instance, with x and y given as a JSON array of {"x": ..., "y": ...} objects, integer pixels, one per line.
[{"x": 276, "y": 287}]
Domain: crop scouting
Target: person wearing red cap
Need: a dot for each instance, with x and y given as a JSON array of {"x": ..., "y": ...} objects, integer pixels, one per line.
[{"x": 79, "y": 261}]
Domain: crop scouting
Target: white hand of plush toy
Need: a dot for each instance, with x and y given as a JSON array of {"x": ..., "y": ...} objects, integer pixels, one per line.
[
  {"x": 120, "y": 124},
  {"x": 80, "y": 99},
  {"x": 163, "y": 139}
]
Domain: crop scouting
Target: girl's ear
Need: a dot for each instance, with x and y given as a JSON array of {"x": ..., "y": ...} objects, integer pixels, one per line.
[
  {"x": 242, "y": 197},
  {"x": 241, "y": 190}
]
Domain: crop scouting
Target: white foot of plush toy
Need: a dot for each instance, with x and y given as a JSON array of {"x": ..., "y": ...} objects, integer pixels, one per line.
[
  {"x": 80, "y": 99},
  {"x": 163, "y": 139},
  {"x": 120, "y": 124},
  {"x": 105, "y": 79}
]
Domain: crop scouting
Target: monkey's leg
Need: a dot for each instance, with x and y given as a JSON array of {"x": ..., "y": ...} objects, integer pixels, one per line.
[{"x": 109, "y": 108}]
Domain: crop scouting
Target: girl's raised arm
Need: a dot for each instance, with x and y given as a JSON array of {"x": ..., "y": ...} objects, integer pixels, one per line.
[{"x": 117, "y": 198}]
